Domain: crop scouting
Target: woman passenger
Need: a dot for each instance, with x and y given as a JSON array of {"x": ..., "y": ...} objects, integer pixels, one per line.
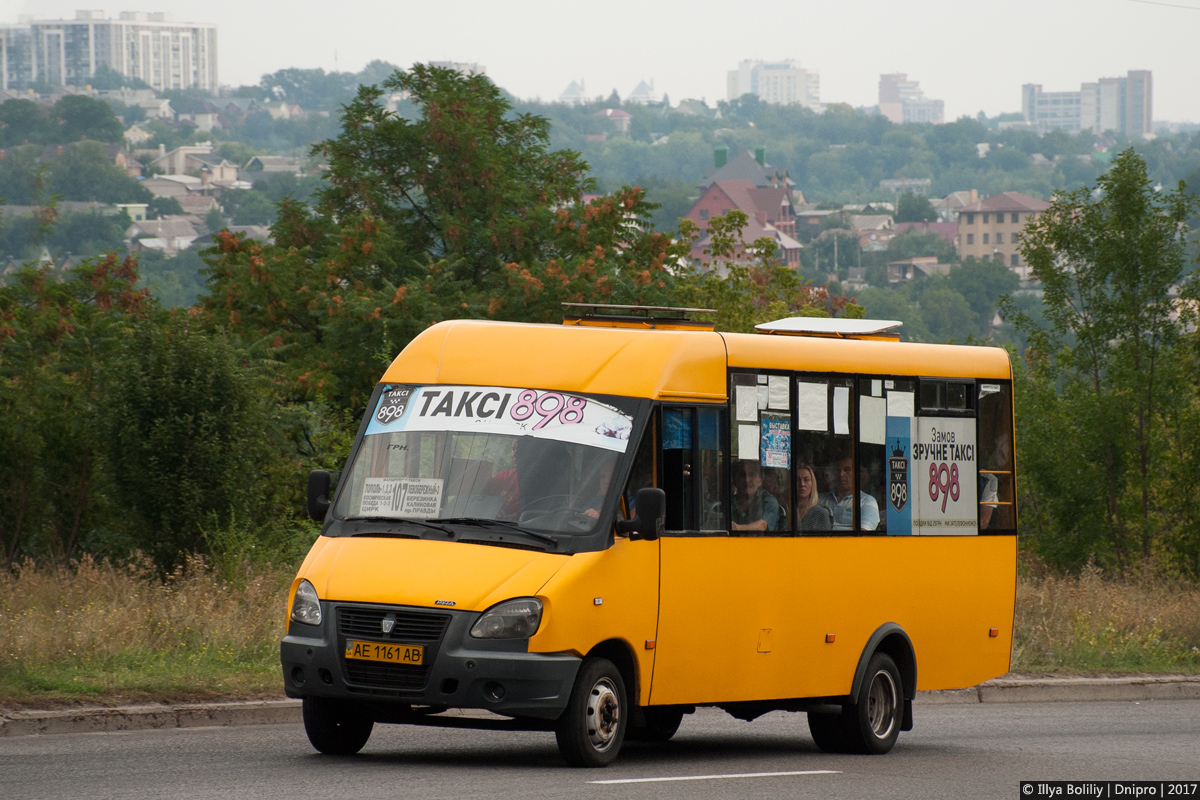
[{"x": 809, "y": 515}]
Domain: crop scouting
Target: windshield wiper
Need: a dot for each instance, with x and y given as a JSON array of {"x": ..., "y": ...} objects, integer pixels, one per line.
[
  {"x": 401, "y": 520},
  {"x": 484, "y": 523}
]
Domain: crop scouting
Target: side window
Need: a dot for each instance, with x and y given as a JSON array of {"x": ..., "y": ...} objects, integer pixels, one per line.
[
  {"x": 824, "y": 455},
  {"x": 678, "y": 449},
  {"x": 996, "y": 486},
  {"x": 761, "y": 446},
  {"x": 880, "y": 401},
  {"x": 712, "y": 469},
  {"x": 641, "y": 474}
]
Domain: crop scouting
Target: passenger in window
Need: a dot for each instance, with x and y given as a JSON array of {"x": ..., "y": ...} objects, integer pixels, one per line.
[
  {"x": 841, "y": 504},
  {"x": 810, "y": 514},
  {"x": 753, "y": 508},
  {"x": 989, "y": 495}
]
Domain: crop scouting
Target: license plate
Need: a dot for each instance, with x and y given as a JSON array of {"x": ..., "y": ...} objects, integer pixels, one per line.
[{"x": 413, "y": 654}]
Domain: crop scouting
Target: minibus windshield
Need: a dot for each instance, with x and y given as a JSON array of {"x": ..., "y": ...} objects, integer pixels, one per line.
[{"x": 487, "y": 457}]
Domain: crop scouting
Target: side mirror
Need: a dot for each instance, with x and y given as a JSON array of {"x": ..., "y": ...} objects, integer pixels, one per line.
[
  {"x": 318, "y": 494},
  {"x": 650, "y": 515}
]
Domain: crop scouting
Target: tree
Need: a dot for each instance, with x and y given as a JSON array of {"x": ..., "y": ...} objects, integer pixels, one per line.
[
  {"x": 23, "y": 122},
  {"x": 468, "y": 180},
  {"x": 915, "y": 208},
  {"x": 82, "y": 117},
  {"x": 1104, "y": 378},
  {"x": 85, "y": 172},
  {"x": 186, "y": 426},
  {"x": 163, "y": 206}
]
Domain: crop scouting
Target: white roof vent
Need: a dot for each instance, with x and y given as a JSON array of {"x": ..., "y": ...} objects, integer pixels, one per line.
[{"x": 832, "y": 326}]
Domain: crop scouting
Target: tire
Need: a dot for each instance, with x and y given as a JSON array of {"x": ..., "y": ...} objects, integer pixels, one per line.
[
  {"x": 661, "y": 725},
  {"x": 828, "y": 731},
  {"x": 592, "y": 728},
  {"x": 334, "y": 727},
  {"x": 872, "y": 723}
]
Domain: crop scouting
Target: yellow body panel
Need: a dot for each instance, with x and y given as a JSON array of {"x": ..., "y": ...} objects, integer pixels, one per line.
[
  {"x": 418, "y": 572},
  {"x": 625, "y": 580},
  {"x": 720, "y": 594}
]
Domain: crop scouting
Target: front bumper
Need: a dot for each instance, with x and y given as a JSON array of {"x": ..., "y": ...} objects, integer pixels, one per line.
[{"x": 459, "y": 671}]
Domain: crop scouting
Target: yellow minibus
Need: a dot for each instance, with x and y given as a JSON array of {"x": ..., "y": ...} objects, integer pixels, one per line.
[{"x": 595, "y": 528}]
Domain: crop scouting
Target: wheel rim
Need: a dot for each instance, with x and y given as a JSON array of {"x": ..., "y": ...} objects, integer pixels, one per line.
[
  {"x": 881, "y": 704},
  {"x": 603, "y": 714}
]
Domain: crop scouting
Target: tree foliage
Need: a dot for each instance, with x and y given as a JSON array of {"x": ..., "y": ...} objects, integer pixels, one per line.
[{"x": 1105, "y": 383}]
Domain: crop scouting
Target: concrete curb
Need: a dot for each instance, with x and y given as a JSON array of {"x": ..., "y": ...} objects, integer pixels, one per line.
[
  {"x": 276, "y": 712},
  {"x": 1070, "y": 690},
  {"x": 140, "y": 718}
]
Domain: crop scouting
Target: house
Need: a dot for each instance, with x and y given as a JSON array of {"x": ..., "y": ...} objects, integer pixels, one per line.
[
  {"x": 176, "y": 186},
  {"x": 267, "y": 164},
  {"x": 168, "y": 235},
  {"x": 135, "y": 135},
  {"x": 906, "y": 269},
  {"x": 644, "y": 95},
  {"x": 157, "y": 108},
  {"x": 945, "y": 230},
  {"x": 948, "y": 207},
  {"x": 992, "y": 228},
  {"x": 202, "y": 115},
  {"x": 197, "y": 160},
  {"x": 573, "y": 94},
  {"x": 747, "y": 166},
  {"x": 695, "y": 108},
  {"x": 197, "y": 204},
  {"x": 620, "y": 119},
  {"x": 769, "y": 211}
]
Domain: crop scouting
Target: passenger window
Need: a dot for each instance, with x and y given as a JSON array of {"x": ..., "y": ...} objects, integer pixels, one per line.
[
  {"x": 712, "y": 469},
  {"x": 824, "y": 456},
  {"x": 996, "y": 491},
  {"x": 761, "y": 444},
  {"x": 879, "y": 399}
]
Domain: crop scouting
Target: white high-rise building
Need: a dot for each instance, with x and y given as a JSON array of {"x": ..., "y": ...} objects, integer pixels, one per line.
[
  {"x": 780, "y": 82},
  {"x": 1122, "y": 105},
  {"x": 149, "y": 46}
]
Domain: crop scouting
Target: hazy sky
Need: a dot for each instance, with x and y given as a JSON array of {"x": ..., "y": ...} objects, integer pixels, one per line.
[{"x": 972, "y": 55}]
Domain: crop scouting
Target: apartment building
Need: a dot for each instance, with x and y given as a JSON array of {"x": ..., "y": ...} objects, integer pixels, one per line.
[
  {"x": 779, "y": 82},
  {"x": 992, "y": 228},
  {"x": 149, "y": 46},
  {"x": 1121, "y": 105},
  {"x": 902, "y": 101}
]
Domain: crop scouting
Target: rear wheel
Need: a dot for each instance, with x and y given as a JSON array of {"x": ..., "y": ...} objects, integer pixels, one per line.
[
  {"x": 592, "y": 728},
  {"x": 661, "y": 725},
  {"x": 334, "y": 727},
  {"x": 873, "y": 722}
]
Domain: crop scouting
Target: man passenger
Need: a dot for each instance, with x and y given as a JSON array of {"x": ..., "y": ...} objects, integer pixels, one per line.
[
  {"x": 753, "y": 508},
  {"x": 841, "y": 504}
]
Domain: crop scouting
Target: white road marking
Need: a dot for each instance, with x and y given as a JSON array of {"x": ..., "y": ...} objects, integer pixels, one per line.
[{"x": 723, "y": 777}]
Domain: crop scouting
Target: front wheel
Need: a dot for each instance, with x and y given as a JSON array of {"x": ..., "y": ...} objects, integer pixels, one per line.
[
  {"x": 334, "y": 727},
  {"x": 592, "y": 728}
]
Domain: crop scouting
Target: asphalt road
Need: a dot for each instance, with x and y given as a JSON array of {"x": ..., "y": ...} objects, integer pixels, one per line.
[{"x": 955, "y": 751}]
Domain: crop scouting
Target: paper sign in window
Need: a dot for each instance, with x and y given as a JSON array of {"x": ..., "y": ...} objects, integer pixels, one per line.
[
  {"x": 812, "y": 406},
  {"x": 777, "y": 391},
  {"x": 401, "y": 497},
  {"x": 764, "y": 396},
  {"x": 841, "y": 409},
  {"x": 900, "y": 404},
  {"x": 872, "y": 420},
  {"x": 747, "y": 403},
  {"x": 748, "y": 436}
]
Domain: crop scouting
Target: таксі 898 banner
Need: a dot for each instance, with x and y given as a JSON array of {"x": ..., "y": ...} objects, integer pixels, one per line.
[{"x": 932, "y": 476}]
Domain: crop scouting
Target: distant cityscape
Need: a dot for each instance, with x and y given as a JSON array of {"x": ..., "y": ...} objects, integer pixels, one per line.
[{"x": 168, "y": 55}]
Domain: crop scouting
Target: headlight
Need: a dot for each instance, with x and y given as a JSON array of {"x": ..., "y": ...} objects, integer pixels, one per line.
[
  {"x": 306, "y": 608},
  {"x": 512, "y": 619}
]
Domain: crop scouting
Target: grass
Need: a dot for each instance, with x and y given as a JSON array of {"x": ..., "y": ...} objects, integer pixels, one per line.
[{"x": 93, "y": 633}]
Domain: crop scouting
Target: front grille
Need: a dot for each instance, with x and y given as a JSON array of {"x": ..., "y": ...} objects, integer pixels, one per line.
[
  {"x": 412, "y": 627},
  {"x": 386, "y": 676}
]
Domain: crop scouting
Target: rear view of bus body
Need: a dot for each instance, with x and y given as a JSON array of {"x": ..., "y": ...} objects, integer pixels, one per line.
[{"x": 595, "y": 528}]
